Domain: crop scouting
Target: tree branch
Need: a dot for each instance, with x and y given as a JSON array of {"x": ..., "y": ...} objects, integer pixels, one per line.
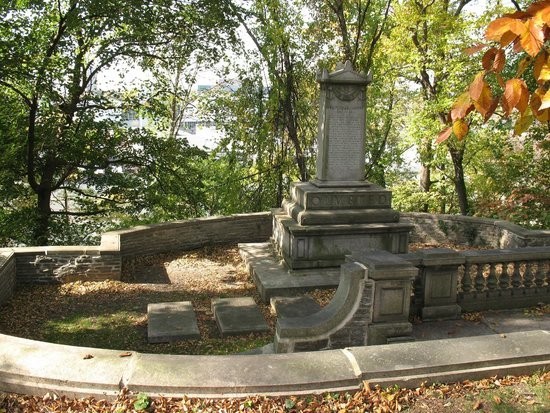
[{"x": 16, "y": 90}]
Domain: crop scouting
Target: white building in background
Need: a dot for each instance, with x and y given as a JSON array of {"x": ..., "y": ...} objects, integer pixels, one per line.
[{"x": 199, "y": 133}]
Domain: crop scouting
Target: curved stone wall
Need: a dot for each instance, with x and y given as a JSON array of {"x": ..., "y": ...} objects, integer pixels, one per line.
[
  {"x": 188, "y": 234},
  {"x": 465, "y": 230},
  {"x": 34, "y": 367}
]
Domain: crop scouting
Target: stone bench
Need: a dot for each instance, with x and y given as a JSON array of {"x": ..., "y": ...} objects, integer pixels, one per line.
[{"x": 335, "y": 325}]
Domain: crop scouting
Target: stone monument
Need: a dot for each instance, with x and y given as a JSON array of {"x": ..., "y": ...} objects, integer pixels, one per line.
[{"x": 338, "y": 213}]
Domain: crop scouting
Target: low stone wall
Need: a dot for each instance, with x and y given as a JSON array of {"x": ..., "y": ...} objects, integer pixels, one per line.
[
  {"x": 44, "y": 264},
  {"x": 49, "y": 264},
  {"x": 459, "y": 229},
  {"x": 7, "y": 276},
  {"x": 33, "y": 367},
  {"x": 188, "y": 234}
]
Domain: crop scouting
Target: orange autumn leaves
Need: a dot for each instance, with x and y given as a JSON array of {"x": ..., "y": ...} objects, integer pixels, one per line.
[{"x": 523, "y": 32}]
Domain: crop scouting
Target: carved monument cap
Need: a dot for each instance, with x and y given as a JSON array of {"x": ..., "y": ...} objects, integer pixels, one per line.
[{"x": 344, "y": 73}]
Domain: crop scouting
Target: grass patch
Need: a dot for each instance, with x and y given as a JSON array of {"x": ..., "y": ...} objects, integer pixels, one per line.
[{"x": 113, "y": 331}]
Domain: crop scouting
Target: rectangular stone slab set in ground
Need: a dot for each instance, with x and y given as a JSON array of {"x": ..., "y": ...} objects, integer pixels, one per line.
[
  {"x": 170, "y": 322},
  {"x": 176, "y": 321},
  {"x": 238, "y": 315}
]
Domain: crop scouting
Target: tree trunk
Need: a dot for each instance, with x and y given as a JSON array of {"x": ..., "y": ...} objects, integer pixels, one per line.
[
  {"x": 457, "y": 155},
  {"x": 425, "y": 183},
  {"x": 44, "y": 212},
  {"x": 291, "y": 116}
]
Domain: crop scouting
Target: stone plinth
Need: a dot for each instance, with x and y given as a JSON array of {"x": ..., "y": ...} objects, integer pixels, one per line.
[
  {"x": 320, "y": 246},
  {"x": 439, "y": 281},
  {"x": 392, "y": 277}
]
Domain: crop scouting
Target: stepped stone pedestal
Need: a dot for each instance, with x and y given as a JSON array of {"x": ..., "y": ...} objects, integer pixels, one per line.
[{"x": 338, "y": 213}]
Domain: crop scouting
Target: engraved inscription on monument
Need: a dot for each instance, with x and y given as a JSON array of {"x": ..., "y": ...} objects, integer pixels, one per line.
[
  {"x": 341, "y": 145},
  {"x": 346, "y": 121}
]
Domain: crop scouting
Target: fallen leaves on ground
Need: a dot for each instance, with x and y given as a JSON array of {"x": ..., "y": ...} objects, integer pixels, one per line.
[
  {"x": 113, "y": 314},
  {"x": 462, "y": 397}
]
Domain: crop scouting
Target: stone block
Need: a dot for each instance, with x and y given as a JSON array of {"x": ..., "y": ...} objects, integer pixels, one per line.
[
  {"x": 238, "y": 315},
  {"x": 380, "y": 333},
  {"x": 291, "y": 307},
  {"x": 442, "y": 312},
  {"x": 170, "y": 322},
  {"x": 318, "y": 246}
]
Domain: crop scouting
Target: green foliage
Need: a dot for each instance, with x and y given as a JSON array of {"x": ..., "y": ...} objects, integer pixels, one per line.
[
  {"x": 510, "y": 178},
  {"x": 289, "y": 404},
  {"x": 142, "y": 402},
  {"x": 61, "y": 131}
]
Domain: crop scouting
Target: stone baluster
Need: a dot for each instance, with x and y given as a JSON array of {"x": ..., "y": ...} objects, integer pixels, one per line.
[
  {"x": 492, "y": 278},
  {"x": 466, "y": 284},
  {"x": 529, "y": 276},
  {"x": 539, "y": 275},
  {"x": 516, "y": 275},
  {"x": 479, "y": 279},
  {"x": 504, "y": 279}
]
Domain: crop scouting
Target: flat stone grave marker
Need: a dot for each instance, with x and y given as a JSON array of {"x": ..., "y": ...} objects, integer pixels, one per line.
[
  {"x": 238, "y": 315},
  {"x": 292, "y": 307},
  {"x": 170, "y": 322}
]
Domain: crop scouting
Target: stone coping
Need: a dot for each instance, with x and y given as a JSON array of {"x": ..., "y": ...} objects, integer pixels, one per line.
[
  {"x": 517, "y": 229},
  {"x": 175, "y": 224},
  {"x": 33, "y": 367}
]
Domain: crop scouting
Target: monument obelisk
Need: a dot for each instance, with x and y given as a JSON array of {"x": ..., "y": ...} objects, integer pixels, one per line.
[{"x": 338, "y": 212}]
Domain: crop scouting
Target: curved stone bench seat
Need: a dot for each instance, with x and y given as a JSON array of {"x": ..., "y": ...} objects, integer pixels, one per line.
[
  {"x": 33, "y": 367},
  {"x": 334, "y": 323}
]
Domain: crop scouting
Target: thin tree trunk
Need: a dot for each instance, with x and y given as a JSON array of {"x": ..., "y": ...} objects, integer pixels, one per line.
[
  {"x": 457, "y": 155},
  {"x": 44, "y": 212}
]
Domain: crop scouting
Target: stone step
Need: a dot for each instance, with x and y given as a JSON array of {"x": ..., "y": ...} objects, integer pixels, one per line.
[
  {"x": 170, "y": 322},
  {"x": 273, "y": 278},
  {"x": 292, "y": 307},
  {"x": 238, "y": 315}
]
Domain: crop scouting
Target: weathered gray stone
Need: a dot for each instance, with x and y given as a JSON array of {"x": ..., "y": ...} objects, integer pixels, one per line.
[
  {"x": 341, "y": 137},
  {"x": 33, "y": 367},
  {"x": 431, "y": 361},
  {"x": 338, "y": 213},
  {"x": 238, "y": 315},
  {"x": 339, "y": 324},
  {"x": 438, "y": 283},
  {"x": 273, "y": 278},
  {"x": 237, "y": 375},
  {"x": 291, "y": 307},
  {"x": 313, "y": 246},
  {"x": 170, "y": 322}
]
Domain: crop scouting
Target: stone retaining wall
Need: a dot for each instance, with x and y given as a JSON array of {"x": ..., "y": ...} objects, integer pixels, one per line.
[
  {"x": 459, "y": 229},
  {"x": 188, "y": 234},
  {"x": 48, "y": 264},
  {"x": 7, "y": 276},
  {"x": 44, "y": 264}
]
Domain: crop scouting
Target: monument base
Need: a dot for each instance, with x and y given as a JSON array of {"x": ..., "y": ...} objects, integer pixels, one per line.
[
  {"x": 320, "y": 246},
  {"x": 321, "y": 224}
]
